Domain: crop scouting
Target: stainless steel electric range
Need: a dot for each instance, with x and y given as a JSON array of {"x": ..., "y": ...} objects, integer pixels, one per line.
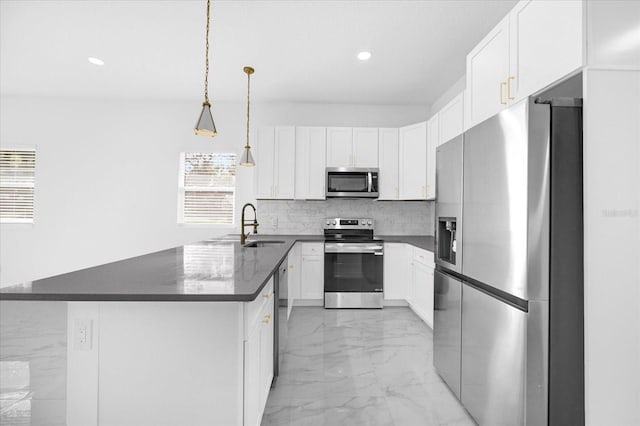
[{"x": 353, "y": 262}]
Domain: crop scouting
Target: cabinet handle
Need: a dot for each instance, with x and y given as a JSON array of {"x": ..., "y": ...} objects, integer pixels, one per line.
[
  {"x": 266, "y": 296},
  {"x": 290, "y": 266},
  {"x": 502, "y": 85},
  {"x": 509, "y": 87},
  {"x": 268, "y": 316},
  {"x": 266, "y": 321}
]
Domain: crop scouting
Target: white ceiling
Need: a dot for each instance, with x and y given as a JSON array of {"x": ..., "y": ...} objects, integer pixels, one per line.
[{"x": 303, "y": 51}]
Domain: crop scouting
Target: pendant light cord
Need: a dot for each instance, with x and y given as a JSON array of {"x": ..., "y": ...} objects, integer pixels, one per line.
[
  {"x": 248, "y": 100},
  {"x": 206, "y": 73}
]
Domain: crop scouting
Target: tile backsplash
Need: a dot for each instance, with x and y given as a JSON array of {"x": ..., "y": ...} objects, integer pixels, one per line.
[{"x": 307, "y": 217}]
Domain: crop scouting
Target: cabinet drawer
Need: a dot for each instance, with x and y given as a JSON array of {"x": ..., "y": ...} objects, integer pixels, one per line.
[
  {"x": 311, "y": 249},
  {"x": 256, "y": 306},
  {"x": 423, "y": 256}
]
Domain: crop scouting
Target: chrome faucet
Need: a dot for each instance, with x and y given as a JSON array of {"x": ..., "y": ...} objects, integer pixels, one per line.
[{"x": 243, "y": 225}]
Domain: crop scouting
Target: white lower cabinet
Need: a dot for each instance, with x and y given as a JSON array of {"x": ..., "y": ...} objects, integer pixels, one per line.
[
  {"x": 408, "y": 275},
  {"x": 422, "y": 302},
  {"x": 397, "y": 257},
  {"x": 312, "y": 277},
  {"x": 306, "y": 274},
  {"x": 258, "y": 358},
  {"x": 252, "y": 376},
  {"x": 293, "y": 277}
]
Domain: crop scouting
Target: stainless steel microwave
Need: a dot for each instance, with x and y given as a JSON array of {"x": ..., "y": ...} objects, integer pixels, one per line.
[{"x": 352, "y": 182}]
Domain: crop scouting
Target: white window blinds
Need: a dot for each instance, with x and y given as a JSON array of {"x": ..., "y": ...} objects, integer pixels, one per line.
[
  {"x": 17, "y": 184},
  {"x": 207, "y": 188}
]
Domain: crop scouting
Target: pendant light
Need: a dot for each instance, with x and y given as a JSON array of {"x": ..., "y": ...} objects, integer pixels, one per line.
[
  {"x": 247, "y": 158},
  {"x": 205, "y": 125}
]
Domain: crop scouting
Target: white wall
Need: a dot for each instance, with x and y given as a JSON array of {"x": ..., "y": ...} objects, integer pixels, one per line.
[{"x": 107, "y": 173}]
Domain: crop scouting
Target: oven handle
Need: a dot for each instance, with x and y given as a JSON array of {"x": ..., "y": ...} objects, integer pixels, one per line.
[
  {"x": 370, "y": 181},
  {"x": 376, "y": 249}
]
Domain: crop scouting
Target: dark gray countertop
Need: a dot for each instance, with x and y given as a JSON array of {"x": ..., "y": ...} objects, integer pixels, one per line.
[{"x": 212, "y": 270}]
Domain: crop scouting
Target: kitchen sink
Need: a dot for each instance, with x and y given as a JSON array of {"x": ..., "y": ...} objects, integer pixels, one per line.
[{"x": 264, "y": 243}]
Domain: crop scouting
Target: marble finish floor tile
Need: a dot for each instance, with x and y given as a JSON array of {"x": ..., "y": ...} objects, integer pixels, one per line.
[{"x": 360, "y": 367}]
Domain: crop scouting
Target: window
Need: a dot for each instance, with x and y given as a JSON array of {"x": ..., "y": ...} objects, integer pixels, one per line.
[
  {"x": 17, "y": 184},
  {"x": 207, "y": 188}
]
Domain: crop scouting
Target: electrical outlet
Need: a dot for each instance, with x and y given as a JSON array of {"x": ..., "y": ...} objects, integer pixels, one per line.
[{"x": 82, "y": 334}]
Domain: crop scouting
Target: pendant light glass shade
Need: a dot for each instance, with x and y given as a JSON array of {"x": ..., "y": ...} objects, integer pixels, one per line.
[
  {"x": 205, "y": 125},
  {"x": 247, "y": 159}
]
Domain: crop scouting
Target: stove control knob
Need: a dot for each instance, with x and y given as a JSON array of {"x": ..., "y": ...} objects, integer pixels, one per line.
[
  {"x": 369, "y": 223},
  {"x": 333, "y": 222},
  {"x": 328, "y": 222},
  {"x": 363, "y": 222}
]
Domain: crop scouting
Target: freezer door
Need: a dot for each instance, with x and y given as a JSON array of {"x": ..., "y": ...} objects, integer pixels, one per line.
[
  {"x": 493, "y": 359},
  {"x": 447, "y": 323},
  {"x": 449, "y": 205}
]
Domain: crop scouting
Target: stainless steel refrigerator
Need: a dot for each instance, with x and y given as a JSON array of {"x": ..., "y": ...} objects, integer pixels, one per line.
[{"x": 508, "y": 299}]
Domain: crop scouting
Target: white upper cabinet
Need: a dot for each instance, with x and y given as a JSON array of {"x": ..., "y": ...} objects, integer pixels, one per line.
[
  {"x": 388, "y": 146},
  {"x": 265, "y": 147},
  {"x": 433, "y": 132},
  {"x": 275, "y": 163},
  {"x": 546, "y": 44},
  {"x": 365, "y": 147},
  {"x": 339, "y": 147},
  {"x": 311, "y": 151},
  {"x": 352, "y": 147},
  {"x": 413, "y": 162},
  {"x": 536, "y": 44},
  {"x": 451, "y": 120},
  {"x": 285, "y": 162},
  {"x": 487, "y": 70}
]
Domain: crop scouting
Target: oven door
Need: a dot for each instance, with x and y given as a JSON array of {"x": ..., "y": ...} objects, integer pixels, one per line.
[{"x": 353, "y": 275}]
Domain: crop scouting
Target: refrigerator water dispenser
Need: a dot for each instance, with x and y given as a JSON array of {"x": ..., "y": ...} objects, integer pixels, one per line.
[{"x": 447, "y": 239}]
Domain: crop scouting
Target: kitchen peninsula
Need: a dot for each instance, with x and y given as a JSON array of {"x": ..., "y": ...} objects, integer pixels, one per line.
[{"x": 179, "y": 336}]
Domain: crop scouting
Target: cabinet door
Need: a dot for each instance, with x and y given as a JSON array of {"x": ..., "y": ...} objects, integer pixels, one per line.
[
  {"x": 285, "y": 162},
  {"x": 365, "y": 147},
  {"x": 293, "y": 279},
  {"x": 396, "y": 271},
  {"x": 252, "y": 376},
  {"x": 451, "y": 119},
  {"x": 539, "y": 58},
  {"x": 302, "y": 171},
  {"x": 433, "y": 130},
  {"x": 487, "y": 72},
  {"x": 312, "y": 277},
  {"x": 265, "y": 166},
  {"x": 388, "y": 175},
  {"x": 413, "y": 162},
  {"x": 266, "y": 355},
  {"x": 339, "y": 147},
  {"x": 423, "y": 292},
  {"x": 317, "y": 163}
]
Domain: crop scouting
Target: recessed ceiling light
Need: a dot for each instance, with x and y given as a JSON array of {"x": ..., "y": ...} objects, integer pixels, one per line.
[
  {"x": 363, "y": 56},
  {"x": 95, "y": 61}
]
